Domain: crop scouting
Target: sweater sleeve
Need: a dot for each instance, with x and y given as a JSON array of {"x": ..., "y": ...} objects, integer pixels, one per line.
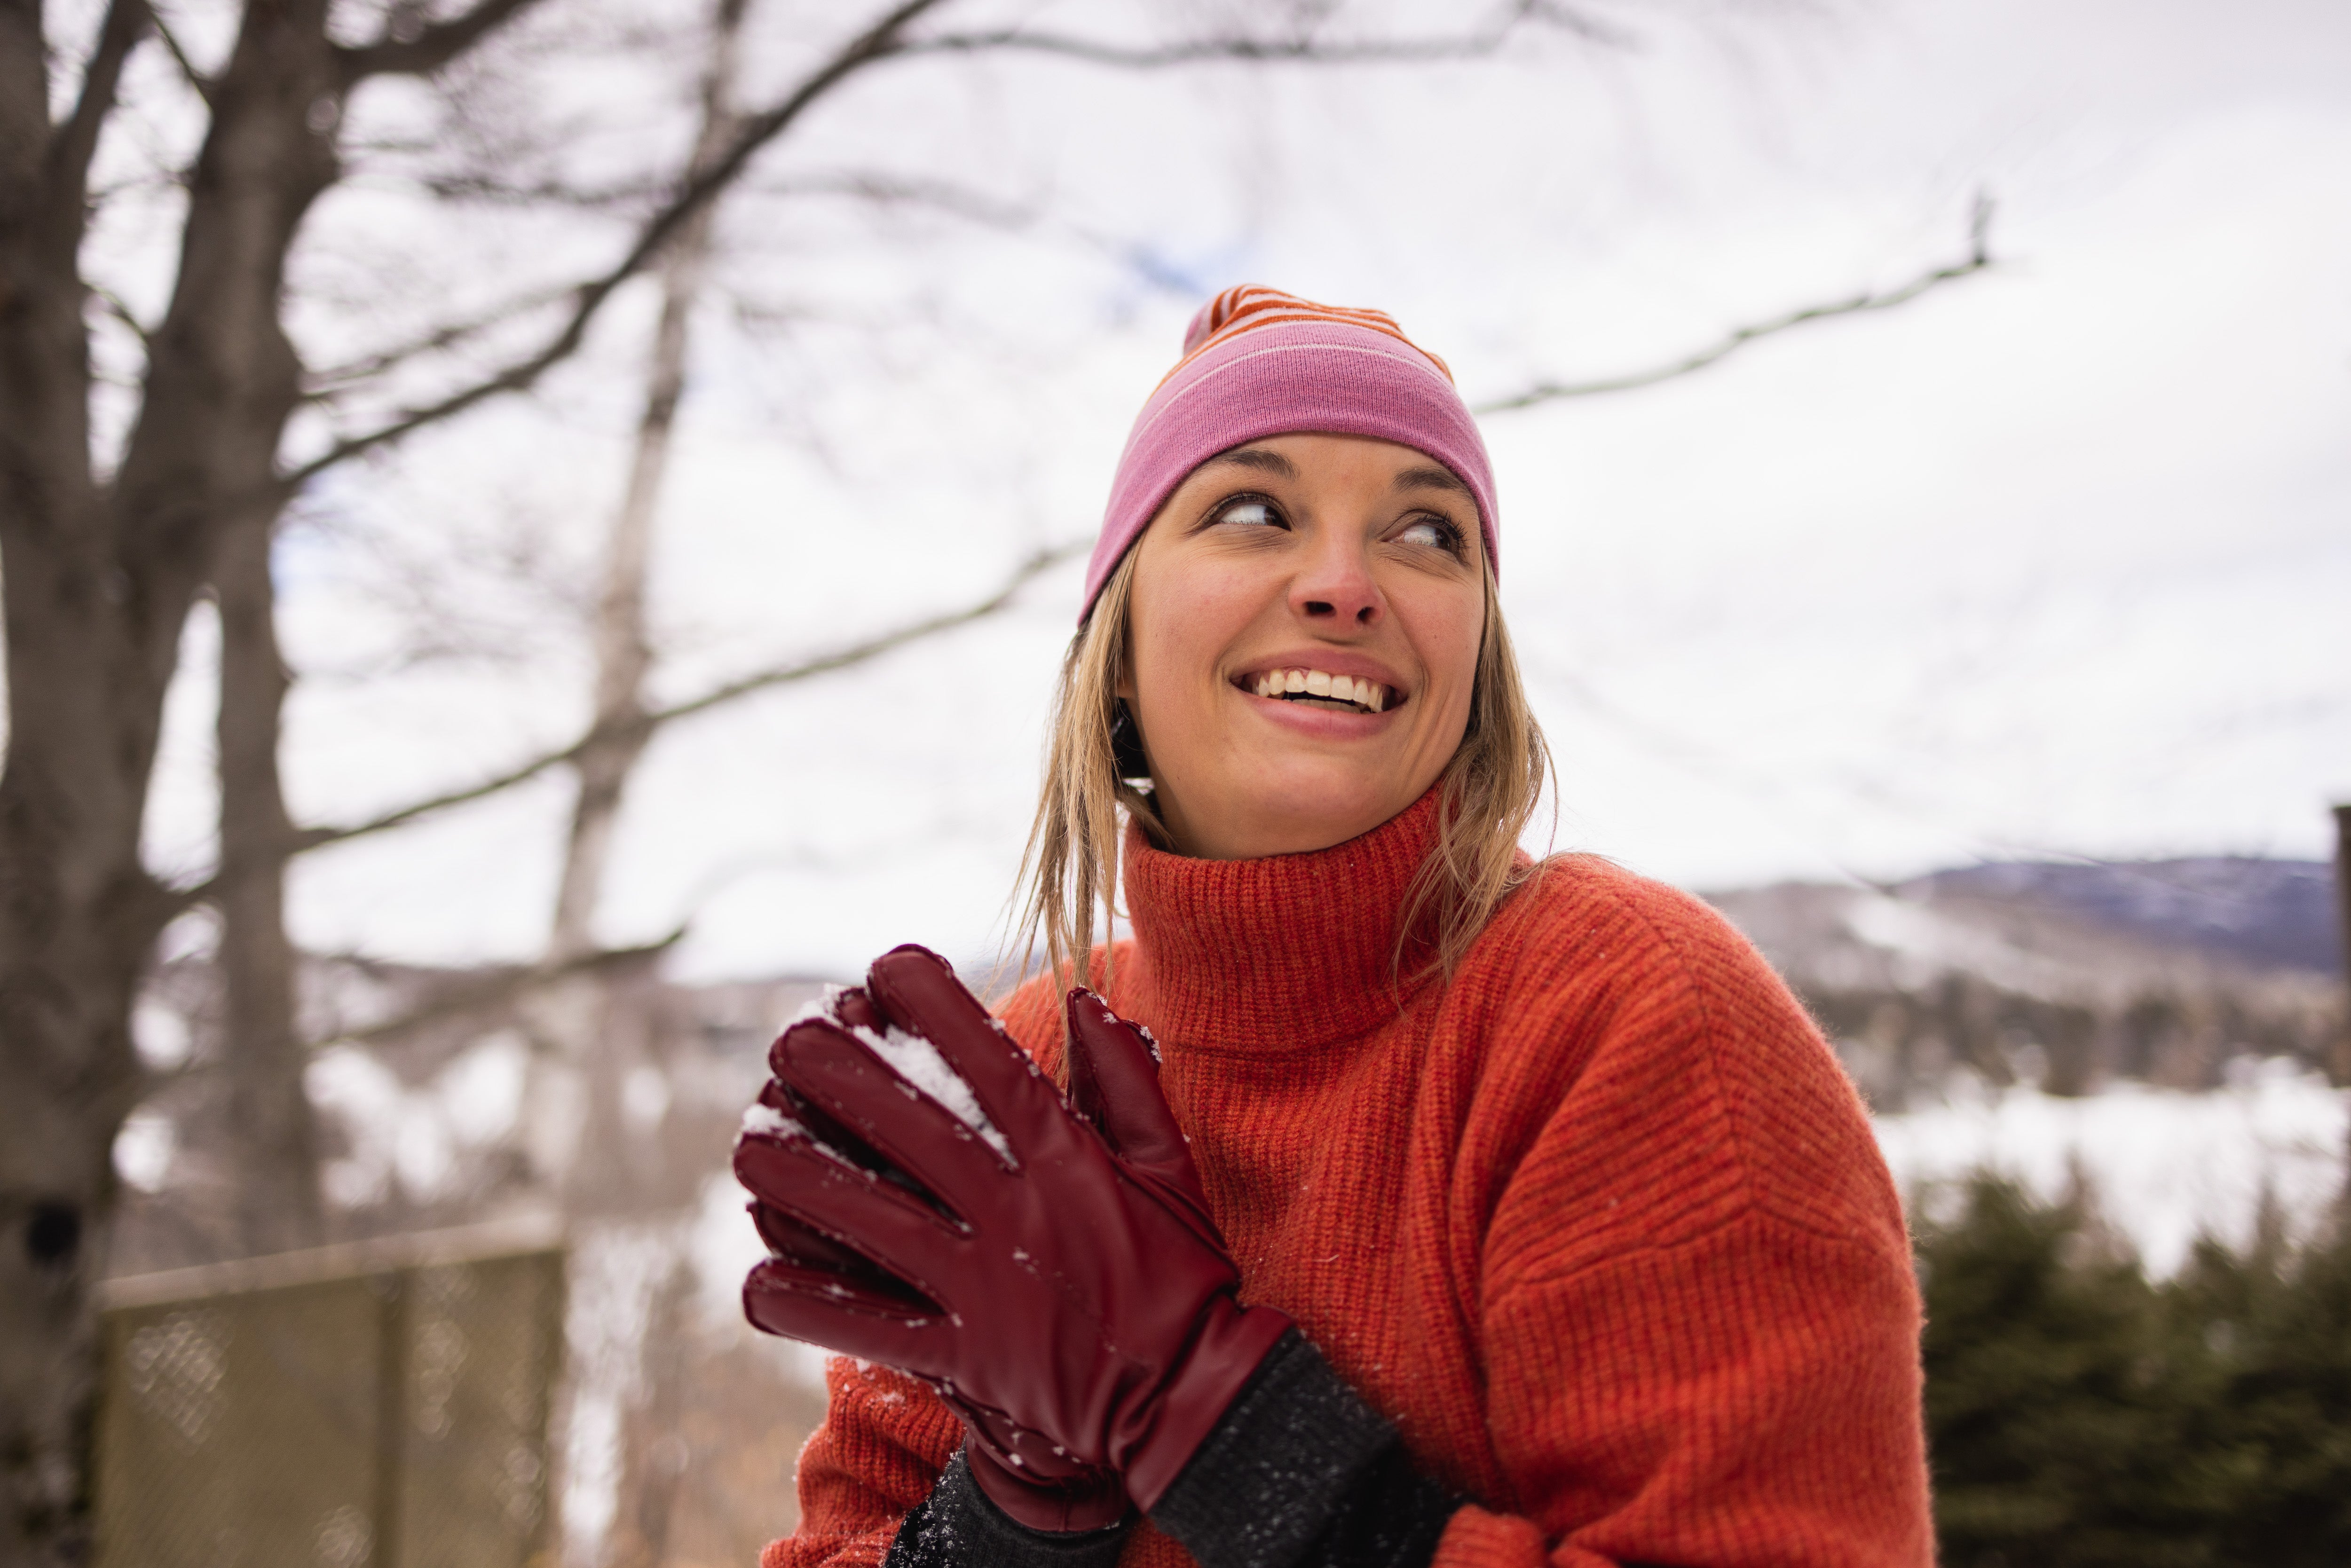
[
  {"x": 884, "y": 1441},
  {"x": 1699, "y": 1323}
]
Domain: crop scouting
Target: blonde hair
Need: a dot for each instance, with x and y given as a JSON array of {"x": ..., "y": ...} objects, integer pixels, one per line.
[{"x": 1487, "y": 793}]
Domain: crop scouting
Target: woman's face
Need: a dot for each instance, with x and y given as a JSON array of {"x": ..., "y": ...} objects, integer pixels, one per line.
[{"x": 1343, "y": 565}]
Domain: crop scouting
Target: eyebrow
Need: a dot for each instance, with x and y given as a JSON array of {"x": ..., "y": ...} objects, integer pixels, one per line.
[
  {"x": 1430, "y": 477},
  {"x": 1260, "y": 458}
]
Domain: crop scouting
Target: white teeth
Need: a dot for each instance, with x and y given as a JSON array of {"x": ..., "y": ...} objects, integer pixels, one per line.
[{"x": 1322, "y": 684}]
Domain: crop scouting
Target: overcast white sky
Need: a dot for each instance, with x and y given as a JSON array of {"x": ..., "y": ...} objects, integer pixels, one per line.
[{"x": 2056, "y": 560}]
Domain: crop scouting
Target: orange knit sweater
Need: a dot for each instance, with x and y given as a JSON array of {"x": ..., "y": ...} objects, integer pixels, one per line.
[{"x": 1599, "y": 1224}]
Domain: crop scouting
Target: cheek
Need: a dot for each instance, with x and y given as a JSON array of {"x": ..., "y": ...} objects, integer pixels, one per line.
[
  {"x": 1446, "y": 630},
  {"x": 1185, "y": 621}
]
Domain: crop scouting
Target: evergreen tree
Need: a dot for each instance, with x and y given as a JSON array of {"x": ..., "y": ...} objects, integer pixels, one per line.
[{"x": 2061, "y": 1403}]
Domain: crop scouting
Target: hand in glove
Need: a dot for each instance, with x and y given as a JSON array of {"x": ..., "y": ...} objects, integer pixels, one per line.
[{"x": 1067, "y": 1289}]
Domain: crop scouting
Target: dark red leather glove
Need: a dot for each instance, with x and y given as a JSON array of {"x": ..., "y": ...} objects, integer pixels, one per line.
[
  {"x": 1075, "y": 1296},
  {"x": 1027, "y": 1477}
]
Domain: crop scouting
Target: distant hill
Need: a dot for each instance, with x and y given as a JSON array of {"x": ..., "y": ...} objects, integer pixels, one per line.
[
  {"x": 2068, "y": 976},
  {"x": 2271, "y": 914}
]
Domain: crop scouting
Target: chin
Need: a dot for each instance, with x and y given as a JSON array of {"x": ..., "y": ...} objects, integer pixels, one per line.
[{"x": 1312, "y": 809}]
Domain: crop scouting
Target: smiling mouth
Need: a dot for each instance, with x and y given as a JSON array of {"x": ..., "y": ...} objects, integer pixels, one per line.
[{"x": 1320, "y": 688}]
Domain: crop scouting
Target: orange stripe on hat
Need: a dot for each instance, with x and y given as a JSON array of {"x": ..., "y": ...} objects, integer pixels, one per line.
[{"x": 1248, "y": 305}]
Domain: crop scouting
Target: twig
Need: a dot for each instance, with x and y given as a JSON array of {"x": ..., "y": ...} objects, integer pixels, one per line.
[
  {"x": 486, "y": 990},
  {"x": 742, "y": 686},
  {"x": 122, "y": 313},
  {"x": 340, "y": 376},
  {"x": 202, "y": 83},
  {"x": 1292, "y": 50},
  {"x": 1979, "y": 259}
]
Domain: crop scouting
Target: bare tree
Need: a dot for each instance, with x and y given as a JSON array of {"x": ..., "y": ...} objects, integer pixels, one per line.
[{"x": 103, "y": 555}]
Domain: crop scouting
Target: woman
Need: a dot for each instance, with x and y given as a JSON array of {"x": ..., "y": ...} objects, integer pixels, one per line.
[{"x": 1464, "y": 1210}]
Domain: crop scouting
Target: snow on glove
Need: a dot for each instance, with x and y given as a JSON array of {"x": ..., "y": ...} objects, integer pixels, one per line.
[{"x": 1063, "y": 1279}]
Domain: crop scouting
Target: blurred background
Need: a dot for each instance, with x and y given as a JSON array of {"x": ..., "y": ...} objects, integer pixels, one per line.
[{"x": 1921, "y": 433}]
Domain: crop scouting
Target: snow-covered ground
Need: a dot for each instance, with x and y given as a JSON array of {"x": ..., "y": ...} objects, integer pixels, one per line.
[{"x": 2164, "y": 1165}]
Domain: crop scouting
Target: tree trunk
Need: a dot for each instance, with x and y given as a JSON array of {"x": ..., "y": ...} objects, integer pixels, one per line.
[
  {"x": 274, "y": 1159},
  {"x": 98, "y": 580},
  {"x": 623, "y": 650}
]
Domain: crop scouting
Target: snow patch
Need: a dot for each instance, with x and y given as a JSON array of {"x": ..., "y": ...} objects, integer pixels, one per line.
[
  {"x": 2164, "y": 1165},
  {"x": 918, "y": 1062},
  {"x": 767, "y": 1119}
]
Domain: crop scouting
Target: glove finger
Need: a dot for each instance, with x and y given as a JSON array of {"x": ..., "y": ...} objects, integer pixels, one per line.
[
  {"x": 780, "y": 1300},
  {"x": 797, "y": 1117},
  {"x": 848, "y": 1006},
  {"x": 842, "y": 1076},
  {"x": 789, "y": 1242},
  {"x": 869, "y": 1292},
  {"x": 903, "y": 1235},
  {"x": 1114, "y": 1084},
  {"x": 919, "y": 992},
  {"x": 828, "y": 1131}
]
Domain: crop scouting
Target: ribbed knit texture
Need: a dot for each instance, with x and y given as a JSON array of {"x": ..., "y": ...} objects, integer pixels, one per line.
[{"x": 1599, "y": 1225}]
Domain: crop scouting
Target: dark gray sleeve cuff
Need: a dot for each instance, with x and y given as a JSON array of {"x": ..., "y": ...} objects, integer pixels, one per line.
[
  {"x": 1301, "y": 1473},
  {"x": 957, "y": 1526}
]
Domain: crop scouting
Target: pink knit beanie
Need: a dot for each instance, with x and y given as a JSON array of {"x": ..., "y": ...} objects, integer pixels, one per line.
[{"x": 1260, "y": 363}]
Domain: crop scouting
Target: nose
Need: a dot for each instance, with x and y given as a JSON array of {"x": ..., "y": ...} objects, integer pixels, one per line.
[{"x": 1334, "y": 590}]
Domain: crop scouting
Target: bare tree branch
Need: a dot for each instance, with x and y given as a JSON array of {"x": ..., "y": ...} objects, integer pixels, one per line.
[
  {"x": 474, "y": 187},
  {"x": 122, "y": 313},
  {"x": 882, "y": 188},
  {"x": 1979, "y": 259},
  {"x": 479, "y": 992},
  {"x": 335, "y": 378},
  {"x": 77, "y": 139},
  {"x": 196, "y": 79},
  {"x": 874, "y": 648},
  {"x": 886, "y": 189},
  {"x": 1302, "y": 49},
  {"x": 741, "y": 686},
  {"x": 876, "y": 43},
  {"x": 431, "y": 47}
]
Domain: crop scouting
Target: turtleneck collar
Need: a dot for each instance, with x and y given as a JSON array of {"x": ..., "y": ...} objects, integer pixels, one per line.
[{"x": 1282, "y": 953}]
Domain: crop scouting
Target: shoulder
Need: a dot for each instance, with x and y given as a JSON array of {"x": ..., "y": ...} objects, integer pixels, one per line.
[
  {"x": 1585, "y": 930},
  {"x": 1673, "y": 1049}
]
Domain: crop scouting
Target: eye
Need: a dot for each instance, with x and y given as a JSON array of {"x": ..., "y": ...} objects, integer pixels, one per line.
[
  {"x": 1249, "y": 512},
  {"x": 1433, "y": 533}
]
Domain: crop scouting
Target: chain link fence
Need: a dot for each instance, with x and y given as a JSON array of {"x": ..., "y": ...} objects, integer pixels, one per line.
[{"x": 382, "y": 1404}]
